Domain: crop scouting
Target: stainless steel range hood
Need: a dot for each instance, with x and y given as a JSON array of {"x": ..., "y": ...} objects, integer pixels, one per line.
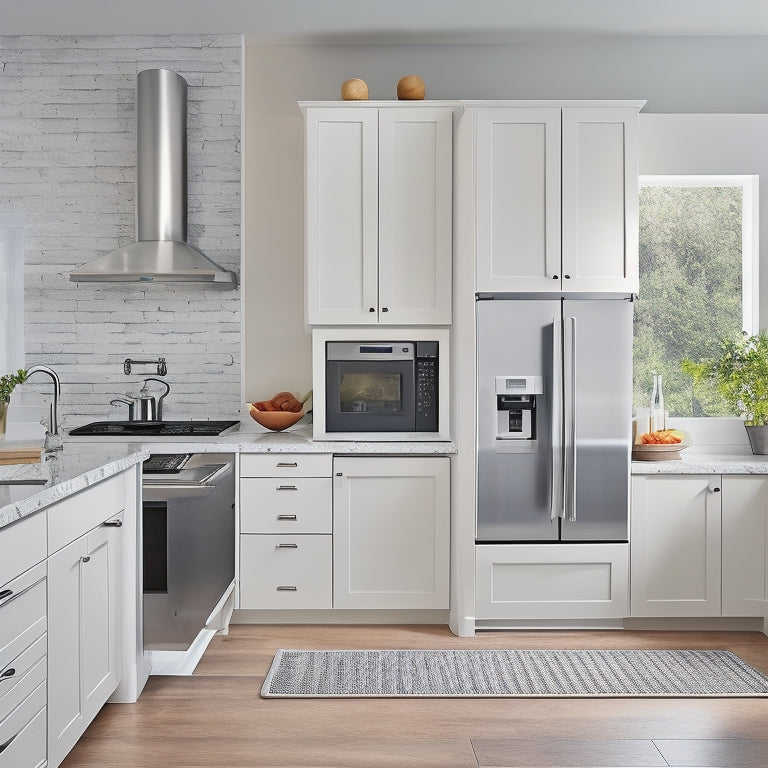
[{"x": 161, "y": 253}]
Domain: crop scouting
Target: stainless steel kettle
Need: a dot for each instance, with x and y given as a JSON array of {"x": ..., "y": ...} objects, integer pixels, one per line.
[{"x": 146, "y": 406}]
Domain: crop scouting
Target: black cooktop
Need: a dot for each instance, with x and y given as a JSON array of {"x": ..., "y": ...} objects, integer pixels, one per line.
[{"x": 153, "y": 428}]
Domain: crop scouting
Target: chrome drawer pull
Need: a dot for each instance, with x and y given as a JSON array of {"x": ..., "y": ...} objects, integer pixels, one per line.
[
  {"x": 287, "y": 464},
  {"x": 287, "y": 589},
  {"x": 287, "y": 546},
  {"x": 113, "y": 523},
  {"x": 8, "y": 674},
  {"x": 286, "y": 517},
  {"x": 286, "y": 488},
  {"x": 5, "y": 593}
]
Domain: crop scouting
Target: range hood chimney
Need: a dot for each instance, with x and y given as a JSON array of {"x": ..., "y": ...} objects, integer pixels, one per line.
[{"x": 161, "y": 253}]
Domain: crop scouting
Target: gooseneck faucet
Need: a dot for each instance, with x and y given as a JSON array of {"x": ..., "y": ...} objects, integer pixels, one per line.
[{"x": 53, "y": 424}]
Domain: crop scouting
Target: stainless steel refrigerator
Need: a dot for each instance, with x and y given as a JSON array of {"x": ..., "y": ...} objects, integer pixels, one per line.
[{"x": 554, "y": 394}]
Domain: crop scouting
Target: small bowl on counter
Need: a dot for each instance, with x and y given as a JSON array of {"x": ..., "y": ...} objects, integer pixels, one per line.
[
  {"x": 275, "y": 420},
  {"x": 661, "y": 451}
]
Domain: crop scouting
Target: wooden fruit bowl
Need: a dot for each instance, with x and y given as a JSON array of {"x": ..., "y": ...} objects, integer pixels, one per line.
[{"x": 275, "y": 420}]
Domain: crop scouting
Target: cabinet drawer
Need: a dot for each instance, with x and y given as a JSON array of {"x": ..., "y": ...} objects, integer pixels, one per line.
[
  {"x": 70, "y": 518},
  {"x": 17, "y": 697},
  {"x": 16, "y": 676},
  {"x": 285, "y": 572},
  {"x": 23, "y": 545},
  {"x": 286, "y": 465},
  {"x": 22, "y": 613},
  {"x": 26, "y": 734},
  {"x": 296, "y": 505}
]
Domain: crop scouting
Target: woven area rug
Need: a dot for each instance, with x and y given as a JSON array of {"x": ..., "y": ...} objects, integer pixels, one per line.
[{"x": 510, "y": 673}]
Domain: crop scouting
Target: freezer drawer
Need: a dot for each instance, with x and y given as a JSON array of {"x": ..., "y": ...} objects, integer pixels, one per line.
[{"x": 551, "y": 581}]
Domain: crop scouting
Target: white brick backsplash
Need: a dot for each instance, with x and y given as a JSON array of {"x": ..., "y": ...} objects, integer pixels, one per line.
[{"x": 68, "y": 155}]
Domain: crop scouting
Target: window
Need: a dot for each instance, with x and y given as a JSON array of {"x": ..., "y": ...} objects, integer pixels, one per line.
[
  {"x": 11, "y": 292},
  {"x": 698, "y": 281}
]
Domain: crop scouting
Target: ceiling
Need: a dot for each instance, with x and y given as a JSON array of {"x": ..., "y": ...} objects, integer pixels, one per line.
[{"x": 379, "y": 21}]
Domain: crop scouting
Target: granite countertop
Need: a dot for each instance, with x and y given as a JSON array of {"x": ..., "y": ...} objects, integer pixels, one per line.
[
  {"x": 715, "y": 462},
  {"x": 86, "y": 460},
  {"x": 64, "y": 472}
]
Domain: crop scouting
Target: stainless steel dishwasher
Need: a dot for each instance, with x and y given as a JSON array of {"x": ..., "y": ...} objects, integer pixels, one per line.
[{"x": 188, "y": 546}]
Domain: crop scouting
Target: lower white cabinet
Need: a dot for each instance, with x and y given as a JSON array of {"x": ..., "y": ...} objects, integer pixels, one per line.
[
  {"x": 699, "y": 545},
  {"x": 391, "y": 530},
  {"x": 83, "y": 633},
  {"x": 551, "y": 581},
  {"x": 286, "y": 571}
]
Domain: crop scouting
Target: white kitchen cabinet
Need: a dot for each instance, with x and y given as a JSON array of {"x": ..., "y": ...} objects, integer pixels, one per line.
[
  {"x": 744, "y": 542},
  {"x": 676, "y": 545},
  {"x": 516, "y": 582},
  {"x": 391, "y": 531},
  {"x": 378, "y": 219},
  {"x": 84, "y": 587},
  {"x": 286, "y": 526},
  {"x": 699, "y": 545},
  {"x": 555, "y": 199}
]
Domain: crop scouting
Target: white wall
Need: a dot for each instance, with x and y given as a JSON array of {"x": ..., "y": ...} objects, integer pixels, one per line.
[
  {"x": 674, "y": 75},
  {"x": 67, "y": 159}
]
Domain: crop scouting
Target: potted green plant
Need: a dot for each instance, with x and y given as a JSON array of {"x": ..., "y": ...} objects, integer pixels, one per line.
[
  {"x": 7, "y": 385},
  {"x": 740, "y": 374}
]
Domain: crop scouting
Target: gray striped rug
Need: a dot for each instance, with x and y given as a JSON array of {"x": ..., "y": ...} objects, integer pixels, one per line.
[{"x": 510, "y": 673}]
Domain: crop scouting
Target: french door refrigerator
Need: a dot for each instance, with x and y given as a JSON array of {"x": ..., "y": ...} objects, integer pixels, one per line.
[{"x": 554, "y": 419}]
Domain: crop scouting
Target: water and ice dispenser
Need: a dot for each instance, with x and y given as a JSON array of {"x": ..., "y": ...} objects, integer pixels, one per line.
[{"x": 516, "y": 406}]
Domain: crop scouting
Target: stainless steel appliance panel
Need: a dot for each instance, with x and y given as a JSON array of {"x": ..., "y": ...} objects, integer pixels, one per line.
[
  {"x": 515, "y": 489},
  {"x": 601, "y": 375}
]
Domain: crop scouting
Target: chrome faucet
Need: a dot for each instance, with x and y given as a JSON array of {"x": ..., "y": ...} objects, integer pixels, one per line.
[{"x": 52, "y": 439}]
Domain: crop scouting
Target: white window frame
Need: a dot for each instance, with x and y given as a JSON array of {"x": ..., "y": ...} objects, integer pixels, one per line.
[
  {"x": 12, "y": 291},
  {"x": 750, "y": 231}
]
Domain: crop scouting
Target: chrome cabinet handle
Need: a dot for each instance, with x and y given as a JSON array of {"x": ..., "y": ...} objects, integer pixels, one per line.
[
  {"x": 287, "y": 517},
  {"x": 716, "y": 490},
  {"x": 286, "y": 488},
  {"x": 8, "y": 674},
  {"x": 287, "y": 546},
  {"x": 86, "y": 559},
  {"x": 287, "y": 464},
  {"x": 113, "y": 523},
  {"x": 286, "y": 588},
  {"x": 5, "y": 593}
]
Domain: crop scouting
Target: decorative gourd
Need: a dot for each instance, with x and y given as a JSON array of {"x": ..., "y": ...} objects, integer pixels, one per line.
[
  {"x": 411, "y": 88},
  {"x": 354, "y": 90}
]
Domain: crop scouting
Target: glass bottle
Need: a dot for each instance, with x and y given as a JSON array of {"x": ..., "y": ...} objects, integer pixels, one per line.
[{"x": 658, "y": 415}]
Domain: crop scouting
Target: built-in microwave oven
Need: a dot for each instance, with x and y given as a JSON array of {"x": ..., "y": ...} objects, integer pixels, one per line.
[{"x": 382, "y": 386}]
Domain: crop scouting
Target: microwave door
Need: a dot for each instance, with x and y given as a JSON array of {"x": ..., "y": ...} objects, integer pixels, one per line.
[{"x": 370, "y": 396}]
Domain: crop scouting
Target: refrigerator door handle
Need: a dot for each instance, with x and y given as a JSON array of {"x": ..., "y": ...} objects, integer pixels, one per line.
[
  {"x": 557, "y": 489},
  {"x": 569, "y": 399}
]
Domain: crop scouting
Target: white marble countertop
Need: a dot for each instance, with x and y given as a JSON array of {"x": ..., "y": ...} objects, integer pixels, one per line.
[{"x": 86, "y": 460}]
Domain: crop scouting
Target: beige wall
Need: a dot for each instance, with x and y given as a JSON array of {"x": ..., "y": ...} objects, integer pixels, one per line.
[{"x": 695, "y": 75}]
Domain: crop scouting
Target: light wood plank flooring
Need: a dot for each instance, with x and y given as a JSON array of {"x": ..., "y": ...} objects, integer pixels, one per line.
[{"x": 216, "y": 717}]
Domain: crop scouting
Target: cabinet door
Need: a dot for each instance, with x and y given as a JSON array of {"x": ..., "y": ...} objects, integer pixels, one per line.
[
  {"x": 83, "y": 636},
  {"x": 675, "y": 546},
  {"x": 100, "y": 636},
  {"x": 66, "y": 721},
  {"x": 599, "y": 198},
  {"x": 391, "y": 525},
  {"x": 341, "y": 215},
  {"x": 517, "y": 199},
  {"x": 415, "y": 215},
  {"x": 745, "y": 534}
]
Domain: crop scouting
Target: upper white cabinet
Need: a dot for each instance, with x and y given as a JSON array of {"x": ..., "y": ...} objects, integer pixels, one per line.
[
  {"x": 378, "y": 218},
  {"x": 554, "y": 202}
]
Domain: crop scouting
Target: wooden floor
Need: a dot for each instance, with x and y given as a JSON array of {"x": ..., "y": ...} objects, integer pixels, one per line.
[{"x": 216, "y": 718}]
